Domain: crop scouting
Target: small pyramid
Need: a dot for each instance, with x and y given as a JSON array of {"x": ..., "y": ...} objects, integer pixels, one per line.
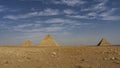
[
  {"x": 104, "y": 42},
  {"x": 48, "y": 41},
  {"x": 28, "y": 43}
]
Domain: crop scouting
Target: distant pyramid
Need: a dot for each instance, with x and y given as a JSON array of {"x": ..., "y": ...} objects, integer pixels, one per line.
[
  {"x": 28, "y": 43},
  {"x": 104, "y": 42},
  {"x": 48, "y": 41}
]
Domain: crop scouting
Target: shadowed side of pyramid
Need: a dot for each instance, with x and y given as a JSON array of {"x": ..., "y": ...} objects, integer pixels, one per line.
[
  {"x": 48, "y": 41},
  {"x": 104, "y": 42},
  {"x": 28, "y": 43}
]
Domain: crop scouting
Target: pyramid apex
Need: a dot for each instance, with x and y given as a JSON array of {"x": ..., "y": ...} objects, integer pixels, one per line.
[
  {"x": 103, "y": 39},
  {"x": 48, "y": 41},
  {"x": 48, "y": 35},
  {"x": 28, "y": 43}
]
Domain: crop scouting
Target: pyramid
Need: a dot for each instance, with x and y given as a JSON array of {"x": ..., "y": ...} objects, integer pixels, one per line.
[
  {"x": 28, "y": 43},
  {"x": 104, "y": 42},
  {"x": 48, "y": 41}
]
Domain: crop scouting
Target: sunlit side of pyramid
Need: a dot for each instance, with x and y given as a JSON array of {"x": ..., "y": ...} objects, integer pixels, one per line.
[
  {"x": 28, "y": 43},
  {"x": 48, "y": 41},
  {"x": 104, "y": 42}
]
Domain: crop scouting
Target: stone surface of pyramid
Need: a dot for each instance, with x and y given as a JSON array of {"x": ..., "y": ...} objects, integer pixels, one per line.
[
  {"x": 104, "y": 42},
  {"x": 48, "y": 41},
  {"x": 28, "y": 43}
]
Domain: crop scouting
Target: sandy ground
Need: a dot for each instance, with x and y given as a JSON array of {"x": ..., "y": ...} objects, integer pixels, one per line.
[{"x": 60, "y": 57}]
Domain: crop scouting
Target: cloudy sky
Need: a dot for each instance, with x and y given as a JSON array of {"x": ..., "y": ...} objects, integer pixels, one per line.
[{"x": 70, "y": 22}]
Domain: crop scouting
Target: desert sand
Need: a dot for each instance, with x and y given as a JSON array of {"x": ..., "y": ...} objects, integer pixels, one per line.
[{"x": 60, "y": 57}]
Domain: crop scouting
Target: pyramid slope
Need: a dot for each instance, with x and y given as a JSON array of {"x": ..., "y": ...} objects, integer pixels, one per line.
[
  {"x": 48, "y": 41},
  {"x": 104, "y": 42},
  {"x": 28, "y": 43}
]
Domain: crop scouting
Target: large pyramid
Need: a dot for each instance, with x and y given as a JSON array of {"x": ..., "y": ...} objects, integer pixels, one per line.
[
  {"x": 48, "y": 41},
  {"x": 28, "y": 43},
  {"x": 104, "y": 42}
]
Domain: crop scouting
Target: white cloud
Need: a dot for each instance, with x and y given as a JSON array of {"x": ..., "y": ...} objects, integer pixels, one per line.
[
  {"x": 3, "y": 27},
  {"x": 23, "y": 26},
  {"x": 6, "y": 9},
  {"x": 102, "y": 16},
  {"x": 33, "y": 27},
  {"x": 40, "y": 29},
  {"x": 26, "y": 25},
  {"x": 3, "y": 8},
  {"x": 49, "y": 12},
  {"x": 69, "y": 2},
  {"x": 98, "y": 10},
  {"x": 28, "y": 30},
  {"x": 101, "y": 6},
  {"x": 81, "y": 24},
  {"x": 15, "y": 17},
  {"x": 108, "y": 14},
  {"x": 54, "y": 29},
  {"x": 46, "y": 12},
  {"x": 114, "y": 18},
  {"x": 98, "y": 7},
  {"x": 69, "y": 11},
  {"x": 50, "y": 25},
  {"x": 58, "y": 20},
  {"x": 78, "y": 16},
  {"x": 92, "y": 14}
]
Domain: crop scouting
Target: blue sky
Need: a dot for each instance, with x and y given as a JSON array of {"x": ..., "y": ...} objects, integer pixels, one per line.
[{"x": 70, "y": 22}]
